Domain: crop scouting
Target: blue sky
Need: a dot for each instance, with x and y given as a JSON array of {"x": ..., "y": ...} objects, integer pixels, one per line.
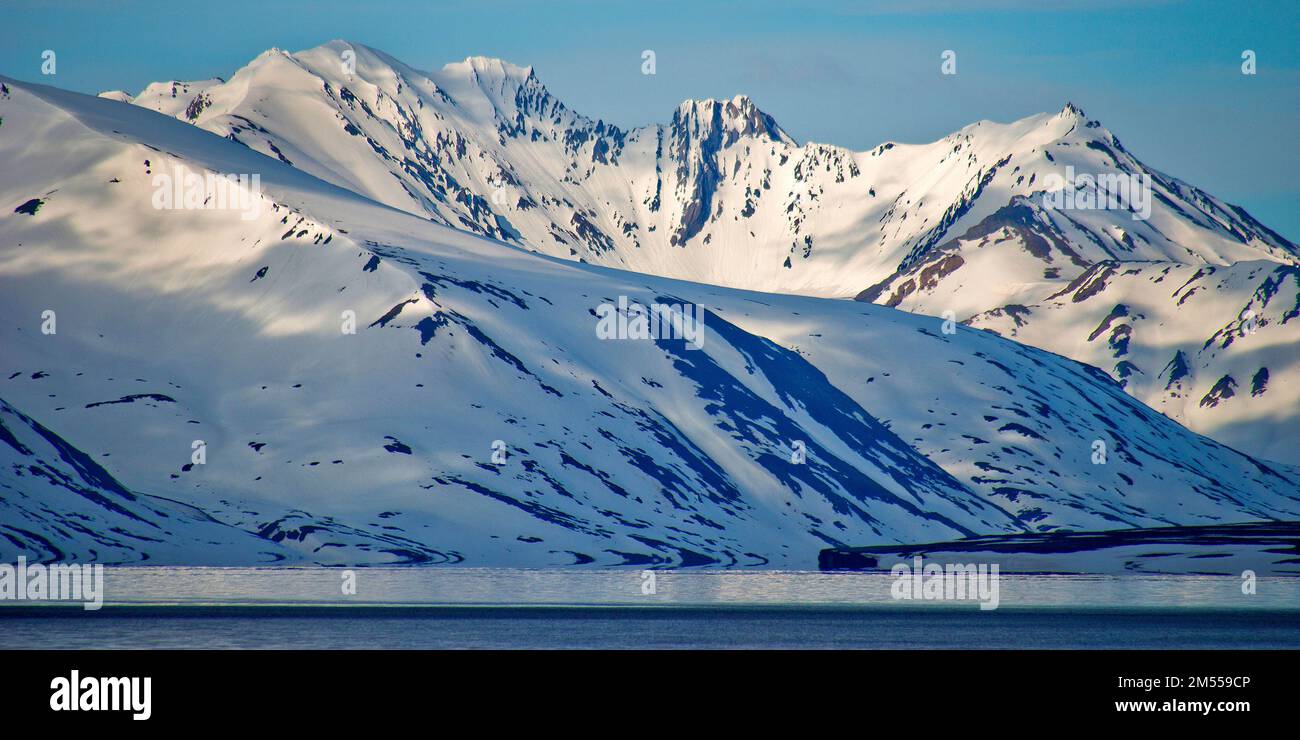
[{"x": 1164, "y": 76}]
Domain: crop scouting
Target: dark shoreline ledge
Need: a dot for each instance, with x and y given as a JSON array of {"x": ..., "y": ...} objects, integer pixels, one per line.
[{"x": 1270, "y": 548}]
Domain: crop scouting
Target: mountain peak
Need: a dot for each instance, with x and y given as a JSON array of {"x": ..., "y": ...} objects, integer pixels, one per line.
[
  {"x": 732, "y": 119},
  {"x": 738, "y": 103},
  {"x": 493, "y": 68},
  {"x": 1071, "y": 109}
]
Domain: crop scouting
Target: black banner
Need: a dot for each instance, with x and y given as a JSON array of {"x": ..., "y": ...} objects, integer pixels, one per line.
[{"x": 619, "y": 690}]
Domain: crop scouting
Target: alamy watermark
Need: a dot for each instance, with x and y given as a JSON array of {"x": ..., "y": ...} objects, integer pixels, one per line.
[
  {"x": 77, "y": 693},
  {"x": 632, "y": 320},
  {"x": 1100, "y": 192},
  {"x": 54, "y": 582},
  {"x": 952, "y": 582},
  {"x": 185, "y": 189}
]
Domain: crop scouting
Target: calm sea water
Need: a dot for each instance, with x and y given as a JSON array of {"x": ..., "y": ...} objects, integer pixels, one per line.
[{"x": 509, "y": 608}]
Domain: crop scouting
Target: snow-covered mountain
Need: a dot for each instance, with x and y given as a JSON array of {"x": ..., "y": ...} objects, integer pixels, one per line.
[
  {"x": 722, "y": 195},
  {"x": 199, "y": 360},
  {"x": 1215, "y": 347}
]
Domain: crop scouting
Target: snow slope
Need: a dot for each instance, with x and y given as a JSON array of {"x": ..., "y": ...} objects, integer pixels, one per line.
[
  {"x": 722, "y": 195},
  {"x": 182, "y": 326},
  {"x": 1212, "y": 346},
  {"x": 58, "y": 504}
]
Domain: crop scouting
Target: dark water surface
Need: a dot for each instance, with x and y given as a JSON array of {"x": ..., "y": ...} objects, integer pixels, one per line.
[{"x": 621, "y": 627}]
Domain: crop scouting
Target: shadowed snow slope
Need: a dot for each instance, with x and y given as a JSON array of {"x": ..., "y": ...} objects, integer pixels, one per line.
[{"x": 475, "y": 416}]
